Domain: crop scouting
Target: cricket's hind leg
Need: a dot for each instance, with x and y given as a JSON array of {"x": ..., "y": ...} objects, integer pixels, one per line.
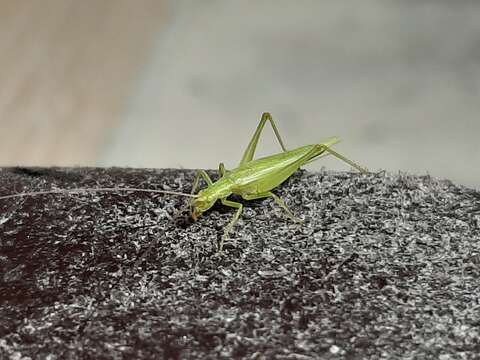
[
  {"x": 278, "y": 200},
  {"x": 252, "y": 146},
  {"x": 232, "y": 222},
  {"x": 343, "y": 158}
]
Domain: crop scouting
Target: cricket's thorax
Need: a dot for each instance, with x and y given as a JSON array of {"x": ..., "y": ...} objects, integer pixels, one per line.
[
  {"x": 218, "y": 190},
  {"x": 266, "y": 173}
]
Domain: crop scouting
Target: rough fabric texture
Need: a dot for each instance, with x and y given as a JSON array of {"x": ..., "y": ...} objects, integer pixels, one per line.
[{"x": 384, "y": 266}]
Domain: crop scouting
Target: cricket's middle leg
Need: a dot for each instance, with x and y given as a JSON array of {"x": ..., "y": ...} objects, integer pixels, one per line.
[
  {"x": 277, "y": 199},
  {"x": 222, "y": 170}
]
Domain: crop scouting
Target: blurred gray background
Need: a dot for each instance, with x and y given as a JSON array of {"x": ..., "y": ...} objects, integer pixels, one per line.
[{"x": 183, "y": 83}]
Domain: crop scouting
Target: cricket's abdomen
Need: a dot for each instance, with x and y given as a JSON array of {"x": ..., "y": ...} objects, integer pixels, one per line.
[{"x": 266, "y": 173}]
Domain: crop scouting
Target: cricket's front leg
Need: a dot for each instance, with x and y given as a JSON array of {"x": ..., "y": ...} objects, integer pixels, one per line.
[
  {"x": 252, "y": 146},
  {"x": 232, "y": 222},
  {"x": 204, "y": 175},
  {"x": 277, "y": 199}
]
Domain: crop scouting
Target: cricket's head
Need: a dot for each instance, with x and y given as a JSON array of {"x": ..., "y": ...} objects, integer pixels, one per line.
[{"x": 201, "y": 203}]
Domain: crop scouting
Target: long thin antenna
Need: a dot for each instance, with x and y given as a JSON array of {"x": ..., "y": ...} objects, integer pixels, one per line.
[{"x": 87, "y": 190}]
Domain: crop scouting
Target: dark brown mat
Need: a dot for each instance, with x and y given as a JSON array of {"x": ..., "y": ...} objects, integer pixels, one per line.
[{"x": 384, "y": 266}]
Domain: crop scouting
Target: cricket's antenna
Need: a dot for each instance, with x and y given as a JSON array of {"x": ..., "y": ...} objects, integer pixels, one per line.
[{"x": 87, "y": 190}]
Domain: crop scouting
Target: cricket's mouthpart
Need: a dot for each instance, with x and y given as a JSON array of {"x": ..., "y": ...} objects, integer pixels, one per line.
[
  {"x": 196, "y": 214},
  {"x": 200, "y": 205}
]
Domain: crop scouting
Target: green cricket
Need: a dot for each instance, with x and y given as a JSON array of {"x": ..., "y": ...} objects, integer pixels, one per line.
[{"x": 252, "y": 179}]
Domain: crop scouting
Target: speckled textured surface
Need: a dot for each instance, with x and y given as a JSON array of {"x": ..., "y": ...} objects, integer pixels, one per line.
[{"x": 384, "y": 266}]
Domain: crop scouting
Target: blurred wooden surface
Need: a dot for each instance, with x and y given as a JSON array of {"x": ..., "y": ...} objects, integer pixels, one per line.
[{"x": 66, "y": 71}]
